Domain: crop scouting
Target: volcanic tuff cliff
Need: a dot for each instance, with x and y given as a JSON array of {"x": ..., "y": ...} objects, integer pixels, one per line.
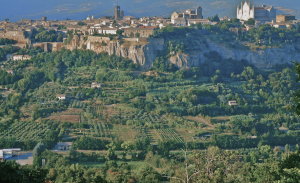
[
  {"x": 262, "y": 58},
  {"x": 144, "y": 52}
]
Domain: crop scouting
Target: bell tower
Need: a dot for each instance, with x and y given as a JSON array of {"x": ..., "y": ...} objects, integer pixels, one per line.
[
  {"x": 117, "y": 12},
  {"x": 199, "y": 12}
]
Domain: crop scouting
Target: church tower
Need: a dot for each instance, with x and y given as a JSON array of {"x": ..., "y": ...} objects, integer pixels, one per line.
[
  {"x": 117, "y": 12},
  {"x": 199, "y": 12}
]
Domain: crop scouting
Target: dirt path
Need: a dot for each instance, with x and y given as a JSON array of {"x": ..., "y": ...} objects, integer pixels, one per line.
[{"x": 200, "y": 120}]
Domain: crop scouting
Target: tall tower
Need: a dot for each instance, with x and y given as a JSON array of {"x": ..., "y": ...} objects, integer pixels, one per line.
[
  {"x": 117, "y": 12},
  {"x": 199, "y": 12}
]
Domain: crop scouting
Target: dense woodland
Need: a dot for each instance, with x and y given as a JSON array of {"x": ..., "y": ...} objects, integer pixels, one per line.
[{"x": 139, "y": 125}]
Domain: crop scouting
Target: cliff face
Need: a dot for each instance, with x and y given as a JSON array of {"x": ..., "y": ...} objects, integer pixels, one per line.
[
  {"x": 141, "y": 51},
  {"x": 262, "y": 59},
  {"x": 144, "y": 52}
]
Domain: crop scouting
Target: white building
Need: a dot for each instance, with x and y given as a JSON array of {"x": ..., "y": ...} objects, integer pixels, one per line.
[
  {"x": 232, "y": 102},
  {"x": 245, "y": 12},
  {"x": 21, "y": 57},
  {"x": 103, "y": 30},
  {"x": 17, "y": 57},
  {"x": 262, "y": 14},
  {"x": 64, "y": 146},
  {"x": 179, "y": 21},
  {"x": 61, "y": 96},
  {"x": 195, "y": 21},
  {"x": 96, "y": 85}
]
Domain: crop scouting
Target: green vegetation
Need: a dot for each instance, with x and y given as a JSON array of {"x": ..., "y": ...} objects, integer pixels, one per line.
[
  {"x": 4, "y": 41},
  {"x": 151, "y": 116},
  {"x": 5, "y": 50},
  {"x": 42, "y": 35}
]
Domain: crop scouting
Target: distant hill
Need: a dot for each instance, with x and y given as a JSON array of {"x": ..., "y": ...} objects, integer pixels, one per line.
[{"x": 80, "y": 9}]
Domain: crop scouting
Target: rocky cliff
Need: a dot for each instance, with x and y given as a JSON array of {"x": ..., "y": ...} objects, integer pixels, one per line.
[
  {"x": 144, "y": 52},
  {"x": 262, "y": 59},
  {"x": 141, "y": 51}
]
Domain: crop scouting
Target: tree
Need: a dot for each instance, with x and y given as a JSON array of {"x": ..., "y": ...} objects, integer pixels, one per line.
[
  {"x": 119, "y": 32},
  {"x": 199, "y": 26},
  {"x": 295, "y": 106},
  {"x": 137, "y": 34},
  {"x": 211, "y": 165},
  {"x": 59, "y": 37},
  {"x": 12, "y": 172},
  {"x": 126, "y": 146},
  {"x": 214, "y": 18},
  {"x": 38, "y": 149},
  {"x": 251, "y": 21},
  {"x": 80, "y": 23},
  {"x": 131, "y": 34},
  {"x": 111, "y": 149}
]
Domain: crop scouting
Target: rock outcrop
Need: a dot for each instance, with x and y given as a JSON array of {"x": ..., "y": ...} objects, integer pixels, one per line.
[
  {"x": 141, "y": 51},
  {"x": 144, "y": 52},
  {"x": 263, "y": 59}
]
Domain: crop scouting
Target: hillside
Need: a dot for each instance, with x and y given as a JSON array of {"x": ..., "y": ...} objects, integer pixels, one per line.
[{"x": 80, "y": 9}]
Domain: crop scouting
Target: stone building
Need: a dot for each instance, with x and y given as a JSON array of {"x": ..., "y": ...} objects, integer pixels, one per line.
[
  {"x": 21, "y": 57},
  {"x": 117, "y": 12},
  {"x": 16, "y": 35},
  {"x": 64, "y": 146},
  {"x": 143, "y": 32},
  {"x": 103, "y": 30},
  {"x": 285, "y": 18},
  {"x": 181, "y": 18},
  {"x": 262, "y": 14}
]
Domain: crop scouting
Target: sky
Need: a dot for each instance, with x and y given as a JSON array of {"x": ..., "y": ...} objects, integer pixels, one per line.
[{"x": 16, "y": 10}]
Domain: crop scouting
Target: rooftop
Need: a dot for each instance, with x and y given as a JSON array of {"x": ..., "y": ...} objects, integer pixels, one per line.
[{"x": 64, "y": 143}]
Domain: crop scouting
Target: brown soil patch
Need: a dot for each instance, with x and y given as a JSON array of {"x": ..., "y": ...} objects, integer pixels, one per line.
[
  {"x": 185, "y": 134},
  {"x": 66, "y": 118},
  {"x": 69, "y": 115},
  {"x": 200, "y": 120}
]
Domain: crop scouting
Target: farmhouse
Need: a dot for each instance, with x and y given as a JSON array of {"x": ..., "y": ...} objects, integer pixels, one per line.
[
  {"x": 61, "y": 96},
  {"x": 96, "y": 85},
  {"x": 10, "y": 71},
  {"x": 64, "y": 146},
  {"x": 232, "y": 102}
]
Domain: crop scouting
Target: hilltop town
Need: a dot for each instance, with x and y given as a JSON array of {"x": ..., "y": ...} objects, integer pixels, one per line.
[
  {"x": 25, "y": 32},
  {"x": 151, "y": 99}
]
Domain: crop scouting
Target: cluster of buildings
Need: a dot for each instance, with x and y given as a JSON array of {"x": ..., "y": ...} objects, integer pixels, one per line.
[
  {"x": 129, "y": 26},
  {"x": 142, "y": 27},
  {"x": 264, "y": 14}
]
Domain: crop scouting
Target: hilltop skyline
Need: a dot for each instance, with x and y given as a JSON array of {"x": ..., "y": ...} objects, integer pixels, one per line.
[{"x": 80, "y": 9}]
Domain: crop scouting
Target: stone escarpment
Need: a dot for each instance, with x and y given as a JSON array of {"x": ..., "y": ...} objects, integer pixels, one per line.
[
  {"x": 144, "y": 52},
  {"x": 263, "y": 59},
  {"x": 141, "y": 51}
]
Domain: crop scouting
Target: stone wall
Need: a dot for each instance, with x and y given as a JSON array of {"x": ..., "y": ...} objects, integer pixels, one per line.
[{"x": 15, "y": 35}]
